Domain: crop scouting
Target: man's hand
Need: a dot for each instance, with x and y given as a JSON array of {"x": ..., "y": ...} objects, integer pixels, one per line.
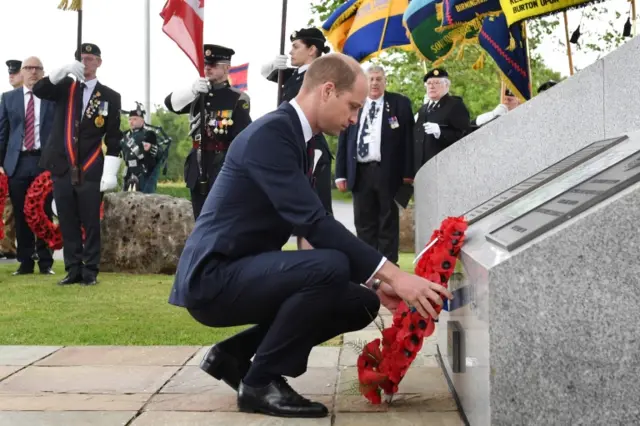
[
  {"x": 414, "y": 290},
  {"x": 1, "y": 171},
  {"x": 201, "y": 85},
  {"x": 388, "y": 297},
  {"x": 432, "y": 129},
  {"x": 76, "y": 69},
  {"x": 341, "y": 185}
]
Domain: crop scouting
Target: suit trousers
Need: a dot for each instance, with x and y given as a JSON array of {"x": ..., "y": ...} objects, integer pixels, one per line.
[
  {"x": 296, "y": 299},
  {"x": 79, "y": 207},
  {"x": 26, "y": 171},
  {"x": 376, "y": 214}
]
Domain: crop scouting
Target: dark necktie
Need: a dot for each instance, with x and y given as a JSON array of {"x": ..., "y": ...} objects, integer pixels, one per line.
[
  {"x": 29, "y": 124},
  {"x": 363, "y": 147},
  {"x": 310, "y": 154}
]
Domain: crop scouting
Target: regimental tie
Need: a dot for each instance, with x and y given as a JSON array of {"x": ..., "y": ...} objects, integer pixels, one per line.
[
  {"x": 29, "y": 125},
  {"x": 363, "y": 147}
]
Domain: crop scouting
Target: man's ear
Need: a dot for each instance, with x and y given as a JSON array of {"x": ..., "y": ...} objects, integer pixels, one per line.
[{"x": 328, "y": 89}]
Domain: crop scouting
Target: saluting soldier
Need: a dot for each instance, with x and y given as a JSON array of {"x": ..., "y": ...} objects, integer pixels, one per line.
[
  {"x": 226, "y": 113},
  {"x": 86, "y": 112},
  {"x": 441, "y": 121},
  {"x": 307, "y": 45},
  {"x": 139, "y": 150},
  {"x": 8, "y": 247}
]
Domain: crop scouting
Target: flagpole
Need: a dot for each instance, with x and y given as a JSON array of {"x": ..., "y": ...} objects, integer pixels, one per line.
[
  {"x": 526, "y": 41},
  {"x": 283, "y": 31},
  {"x": 633, "y": 17},
  {"x": 147, "y": 58},
  {"x": 79, "y": 35},
  {"x": 566, "y": 36}
]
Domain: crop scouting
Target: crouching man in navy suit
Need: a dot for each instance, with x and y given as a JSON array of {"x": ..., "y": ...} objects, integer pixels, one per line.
[
  {"x": 233, "y": 272},
  {"x": 25, "y": 125}
]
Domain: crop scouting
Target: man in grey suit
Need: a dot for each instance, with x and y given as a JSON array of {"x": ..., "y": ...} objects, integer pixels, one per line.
[{"x": 25, "y": 124}]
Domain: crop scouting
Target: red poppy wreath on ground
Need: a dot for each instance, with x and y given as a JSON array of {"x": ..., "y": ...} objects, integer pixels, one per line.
[
  {"x": 384, "y": 362},
  {"x": 4, "y": 193},
  {"x": 36, "y": 216}
]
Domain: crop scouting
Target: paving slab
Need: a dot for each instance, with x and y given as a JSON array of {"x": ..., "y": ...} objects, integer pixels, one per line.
[
  {"x": 7, "y": 370},
  {"x": 88, "y": 379},
  {"x": 65, "y": 418},
  {"x": 418, "y": 380},
  {"x": 398, "y": 419},
  {"x": 172, "y": 418},
  {"x": 72, "y": 402},
  {"x": 24, "y": 355},
  {"x": 120, "y": 355},
  {"x": 321, "y": 356}
]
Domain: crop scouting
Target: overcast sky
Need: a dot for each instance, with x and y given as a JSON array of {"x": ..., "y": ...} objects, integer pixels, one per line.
[{"x": 250, "y": 27}]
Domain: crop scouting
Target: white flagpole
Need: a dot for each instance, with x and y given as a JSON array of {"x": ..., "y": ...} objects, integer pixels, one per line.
[{"x": 147, "y": 59}]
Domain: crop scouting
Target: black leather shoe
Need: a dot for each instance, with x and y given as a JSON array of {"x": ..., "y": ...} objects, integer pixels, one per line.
[
  {"x": 21, "y": 271},
  {"x": 89, "y": 281},
  {"x": 274, "y": 401},
  {"x": 47, "y": 271},
  {"x": 70, "y": 279},
  {"x": 10, "y": 256},
  {"x": 223, "y": 366}
]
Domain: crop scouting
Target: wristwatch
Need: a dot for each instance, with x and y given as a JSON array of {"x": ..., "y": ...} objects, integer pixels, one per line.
[{"x": 376, "y": 284}]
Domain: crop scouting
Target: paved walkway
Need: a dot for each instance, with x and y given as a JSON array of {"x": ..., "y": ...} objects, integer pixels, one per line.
[{"x": 158, "y": 386}]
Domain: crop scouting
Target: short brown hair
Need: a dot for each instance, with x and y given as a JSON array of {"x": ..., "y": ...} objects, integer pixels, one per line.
[{"x": 337, "y": 68}]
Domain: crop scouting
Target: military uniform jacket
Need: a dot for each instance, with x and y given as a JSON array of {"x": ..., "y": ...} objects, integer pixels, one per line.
[
  {"x": 101, "y": 119},
  {"x": 138, "y": 161},
  {"x": 227, "y": 114},
  {"x": 452, "y": 116},
  {"x": 290, "y": 88}
]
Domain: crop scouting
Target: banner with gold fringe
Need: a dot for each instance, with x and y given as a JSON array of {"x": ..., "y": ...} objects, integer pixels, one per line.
[
  {"x": 519, "y": 10},
  {"x": 507, "y": 47},
  {"x": 70, "y": 5},
  {"x": 363, "y": 29},
  {"x": 422, "y": 20},
  {"x": 465, "y": 12}
]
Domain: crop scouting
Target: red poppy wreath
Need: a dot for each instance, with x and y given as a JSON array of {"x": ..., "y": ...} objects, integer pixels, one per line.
[
  {"x": 36, "y": 216},
  {"x": 383, "y": 363}
]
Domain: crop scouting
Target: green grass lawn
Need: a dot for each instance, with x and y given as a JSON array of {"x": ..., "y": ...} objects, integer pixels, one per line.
[{"x": 122, "y": 309}]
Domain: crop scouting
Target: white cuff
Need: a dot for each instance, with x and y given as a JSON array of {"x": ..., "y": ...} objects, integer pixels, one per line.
[
  {"x": 340, "y": 180},
  {"x": 384, "y": 259},
  {"x": 267, "y": 69},
  {"x": 483, "y": 119},
  {"x": 181, "y": 98}
]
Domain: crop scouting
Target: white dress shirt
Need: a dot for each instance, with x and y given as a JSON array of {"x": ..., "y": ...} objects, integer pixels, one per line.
[
  {"x": 36, "y": 113},
  {"x": 308, "y": 134},
  {"x": 374, "y": 130},
  {"x": 88, "y": 91}
]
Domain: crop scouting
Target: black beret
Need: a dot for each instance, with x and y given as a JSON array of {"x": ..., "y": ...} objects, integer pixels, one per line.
[
  {"x": 548, "y": 85},
  {"x": 436, "y": 72},
  {"x": 138, "y": 112},
  {"x": 508, "y": 92},
  {"x": 214, "y": 54},
  {"x": 90, "y": 48},
  {"x": 311, "y": 34},
  {"x": 14, "y": 65}
]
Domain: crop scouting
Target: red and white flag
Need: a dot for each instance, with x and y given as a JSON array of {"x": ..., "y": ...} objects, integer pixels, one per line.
[{"x": 184, "y": 24}]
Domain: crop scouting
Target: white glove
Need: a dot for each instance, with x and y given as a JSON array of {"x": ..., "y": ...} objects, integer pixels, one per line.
[
  {"x": 432, "y": 129},
  {"x": 201, "y": 85},
  {"x": 76, "y": 69},
  {"x": 500, "y": 110},
  {"x": 279, "y": 63},
  {"x": 110, "y": 171}
]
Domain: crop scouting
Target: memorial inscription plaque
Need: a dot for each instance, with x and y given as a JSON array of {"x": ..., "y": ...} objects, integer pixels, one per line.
[
  {"x": 568, "y": 204},
  {"x": 541, "y": 178}
]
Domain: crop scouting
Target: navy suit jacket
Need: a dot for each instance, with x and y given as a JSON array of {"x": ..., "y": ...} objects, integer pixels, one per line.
[
  {"x": 396, "y": 145},
  {"x": 260, "y": 197},
  {"x": 12, "y": 116}
]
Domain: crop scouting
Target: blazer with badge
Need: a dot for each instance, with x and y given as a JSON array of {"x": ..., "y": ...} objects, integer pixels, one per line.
[
  {"x": 261, "y": 195},
  {"x": 396, "y": 142},
  {"x": 101, "y": 119},
  {"x": 224, "y": 104},
  {"x": 12, "y": 120},
  {"x": 452, "y": 116}
]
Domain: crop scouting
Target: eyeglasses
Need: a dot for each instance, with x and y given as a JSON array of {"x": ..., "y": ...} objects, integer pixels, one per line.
[
  {"x": 32, "y": 68},
  {"x": 434, "y": 83}
]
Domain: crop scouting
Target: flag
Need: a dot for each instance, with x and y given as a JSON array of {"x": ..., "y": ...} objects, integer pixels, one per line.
[
  {"x": 70, "y": 5},
  {"x": 464, "y": 12},
  {"x": 422, "y": 20},
  {"x": 364, "y": 28},
  {"x": 184, "y": 23},
  {"x": 506, "y": 45},
  {"x": 238, "y": 76}
]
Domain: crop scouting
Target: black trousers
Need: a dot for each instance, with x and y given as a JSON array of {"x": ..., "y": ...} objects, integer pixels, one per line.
[
  {"x": 214, "y": 164},
  {"x": 375, "y": 212},
  {"x": 29, "y": 248},
  {"x": 79, "y": 206},
  {"x": 297, "y": 299}
]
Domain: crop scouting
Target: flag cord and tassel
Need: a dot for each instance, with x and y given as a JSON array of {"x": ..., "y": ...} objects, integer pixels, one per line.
[
  {"x": 384, "y": 29},
  {"x": 75, "y": 5},
  {"x": 567, "y": 41}
]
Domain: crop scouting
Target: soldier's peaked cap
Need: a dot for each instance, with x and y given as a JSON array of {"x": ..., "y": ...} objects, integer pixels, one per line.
[
  {"x": 214, "y": 54},
  {"x": 13, "y": 65},
  {"x": 90, "y": 48},
  {"x": 436, "y": 72}
]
